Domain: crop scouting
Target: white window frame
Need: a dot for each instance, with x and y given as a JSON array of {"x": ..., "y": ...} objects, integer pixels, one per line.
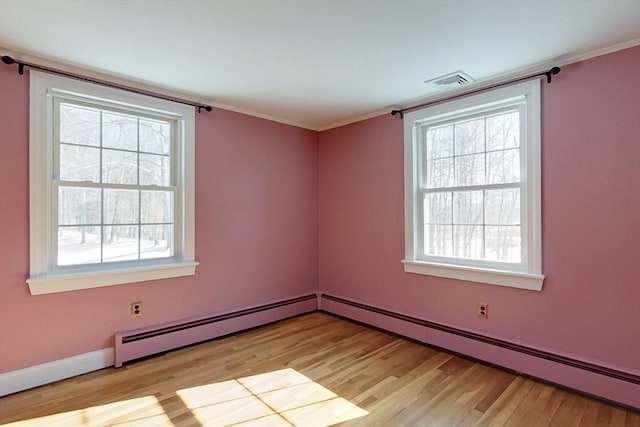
[
  {"x": 527, "y": 274},
  {"x": 45, "y": 277}
]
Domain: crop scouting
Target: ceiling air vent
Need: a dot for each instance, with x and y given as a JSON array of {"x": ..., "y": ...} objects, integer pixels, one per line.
[{"x": 450, "y": 81}]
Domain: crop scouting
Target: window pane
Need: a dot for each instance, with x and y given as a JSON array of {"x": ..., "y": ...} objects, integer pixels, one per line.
[
  {"x": 79, "y": 163},
  {"x": 503, "y": 166},
  {"x": 438, "y": 240},
  {"x": 503, "y": 207},
  {"x": 78, "y": 245},
  {"x": 156, "y": 241},
  {"x": 79, "y": 125},
  {"x": 156, "y": 206},
  {"x": 503, "y": 131},
  {"x": 468, "y": 206},
  {"x": 155, "y": 170},
  {"x": 438, "y": 208},
  {"x": 470, "y": 170},
  {"x": 469, "y": 137},
  {"x": 467, "y": 241},
  {"x": 439, "y": 142},
  {"x": 119, "y": 131},
  {"x": 120, "y": 243},
  {"x": 120, "y": 206},
  {"x": 155, "y": 136},
  {"x": 119, "y": 167},
  {"x": 439, "y": 173},
  {"x": 79, "y": 206},
  {"x": 502, "y": 243}
]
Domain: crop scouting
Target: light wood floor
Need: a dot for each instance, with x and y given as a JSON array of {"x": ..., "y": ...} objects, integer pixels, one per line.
[{"x": 313, "y": 370}]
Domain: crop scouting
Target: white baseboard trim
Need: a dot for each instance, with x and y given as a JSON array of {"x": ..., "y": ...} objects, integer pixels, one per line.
[{"x": 34, "y": 376}]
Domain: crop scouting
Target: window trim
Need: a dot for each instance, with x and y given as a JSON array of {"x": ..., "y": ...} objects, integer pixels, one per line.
[
  {"x": 527, "y": 275},
  {"x": 44, "y": 277}
]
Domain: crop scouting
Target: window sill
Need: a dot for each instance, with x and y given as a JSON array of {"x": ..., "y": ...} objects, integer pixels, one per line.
[
  {"x": 48, "y": 284},
  {"x": 532, "y": 282}
]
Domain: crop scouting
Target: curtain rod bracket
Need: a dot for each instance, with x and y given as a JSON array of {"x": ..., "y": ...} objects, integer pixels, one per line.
[
  {"x": 10, "y": 61},
  {"x": 396, "y": 112},
  {"x": 552, "y": 72}
]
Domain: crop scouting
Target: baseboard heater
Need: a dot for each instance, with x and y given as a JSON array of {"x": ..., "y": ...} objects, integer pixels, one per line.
[
  {"x": 134, "y": 344},
  {"x": 604, "y": 382}
]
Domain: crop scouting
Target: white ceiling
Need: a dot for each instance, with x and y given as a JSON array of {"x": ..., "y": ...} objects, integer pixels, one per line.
[{"x": 312, "y": 63}]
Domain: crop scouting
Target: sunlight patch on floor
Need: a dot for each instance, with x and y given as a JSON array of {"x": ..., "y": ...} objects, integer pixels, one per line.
[
  {"x": 141, "y": 411},
  {"x": 279, "y": 398},
  {"x": 284, "y": 397}
]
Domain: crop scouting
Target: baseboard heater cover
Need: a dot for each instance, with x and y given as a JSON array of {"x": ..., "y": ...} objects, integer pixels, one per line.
[
  {"x": 134, "y": 344},
  {"x": 607, "y": 383}
]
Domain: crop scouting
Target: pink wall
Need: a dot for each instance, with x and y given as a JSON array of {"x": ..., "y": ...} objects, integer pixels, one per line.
[
  {"x": 589, "y": 307},
  {"x": 283, "y": 211},
  {"x": 256, "y": 236}
]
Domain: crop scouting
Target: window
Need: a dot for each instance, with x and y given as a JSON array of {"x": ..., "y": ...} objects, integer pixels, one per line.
[
  {"x": 111, "y": 186},
  {"x": 472, "y": 188}
]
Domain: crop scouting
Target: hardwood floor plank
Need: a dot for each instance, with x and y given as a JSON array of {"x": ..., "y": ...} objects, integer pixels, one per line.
[
  {"x": 570, "y": 411},
  {"x": 311, "y": 370},
  {"x": 502, "y": 380},
  {"x": 632, "y": 419}
]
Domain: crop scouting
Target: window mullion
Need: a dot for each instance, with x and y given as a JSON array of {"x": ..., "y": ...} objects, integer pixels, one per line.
[
  {"x": 54, "y": 219},
  {"x": 421, "y": 170},
  {"x": 139, "y": 191},
  {"x": 524, "y": 192},
  {"x": 176, "y": 181},
  {"x": 484, "y": 225},
  {"x": 91, "y": 184},
  {"x": 474, "y": 187},
  {"x": 102, "y": 227},
  {"x": 483, "y": 249},
  {"x": 455, "y": 181}
]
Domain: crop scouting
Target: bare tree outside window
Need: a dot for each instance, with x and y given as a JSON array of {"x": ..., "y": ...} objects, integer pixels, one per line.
[
  {"x": 471, "y": 182},
  {"x": 115, "y": 194}
]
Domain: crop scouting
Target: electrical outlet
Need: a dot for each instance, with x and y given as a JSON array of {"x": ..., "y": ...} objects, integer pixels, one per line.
[
  {"x": 136, "y": 309},
  {"x": 483, "y": 311}
]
